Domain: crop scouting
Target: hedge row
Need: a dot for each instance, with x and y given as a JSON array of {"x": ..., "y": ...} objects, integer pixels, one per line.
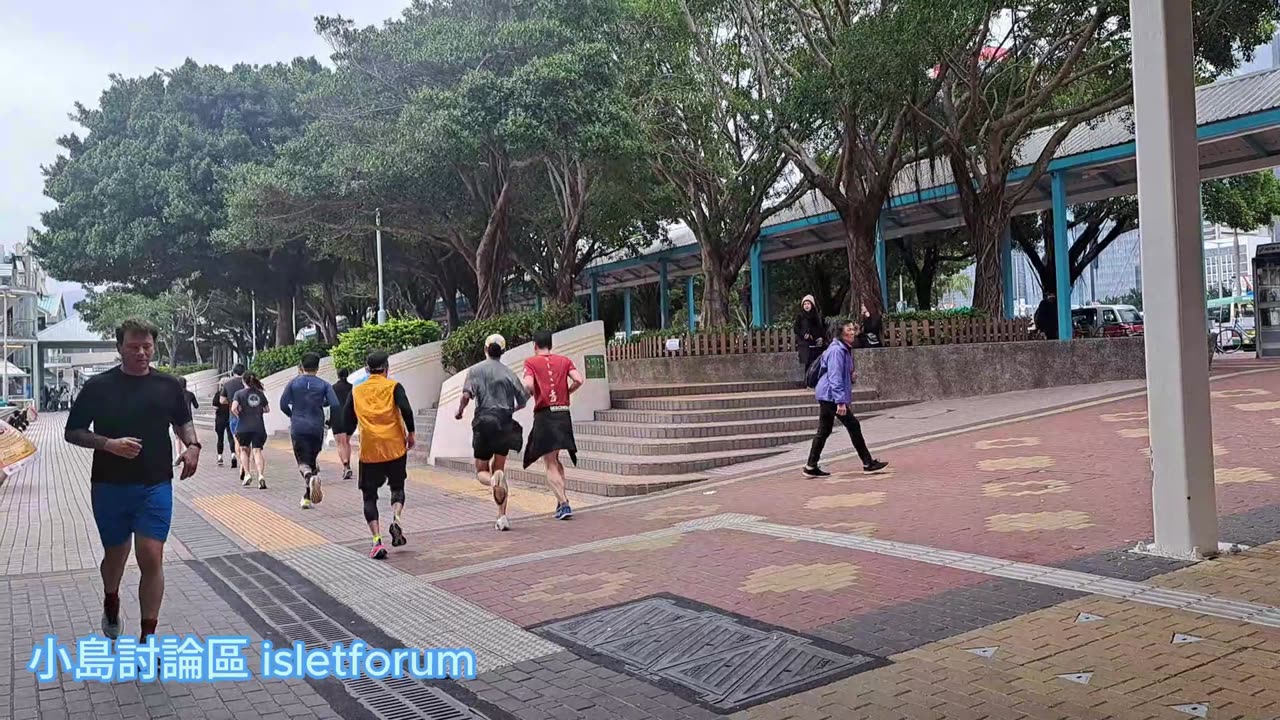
[
  {"x": 394, "y": 336},
  {"x": 465, "y": 346}
]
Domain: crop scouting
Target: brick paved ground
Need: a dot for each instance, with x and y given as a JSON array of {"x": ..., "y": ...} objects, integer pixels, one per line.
[{"x": 917, "y": 566}]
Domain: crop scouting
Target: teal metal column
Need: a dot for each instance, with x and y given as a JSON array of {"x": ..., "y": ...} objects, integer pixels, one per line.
[
  {"x": 595, "y": 298},
  {"x": 537, "y": 303},
  {"x": 882, "y": 268},
  {"x": 626, "y": 311},
  {"x": 1061, "y": 257},
  {"x": 1006, "y": 271},
  {"x": 664, "y": 302},
  {"x": 757, "y": 284},
  {"x": 691, "y": 307}
]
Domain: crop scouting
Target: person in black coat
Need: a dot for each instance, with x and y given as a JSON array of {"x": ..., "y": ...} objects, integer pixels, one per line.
[
  {"x": 811, "y": 331},
  {"x": 872, "y": 333},
  {"x": 1046, "y": 317}
]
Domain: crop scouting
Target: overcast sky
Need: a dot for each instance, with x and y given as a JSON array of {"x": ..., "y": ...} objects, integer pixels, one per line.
[{"x": 53, "y": 53}]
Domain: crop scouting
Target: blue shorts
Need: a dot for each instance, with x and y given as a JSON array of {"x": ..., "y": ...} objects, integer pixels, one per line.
[
  {"x": 233, "y": 423},
  {"x": 122, "y": 510}
]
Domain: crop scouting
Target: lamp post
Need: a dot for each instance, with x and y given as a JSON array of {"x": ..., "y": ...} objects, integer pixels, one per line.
[{"x": 382, "y": 303}]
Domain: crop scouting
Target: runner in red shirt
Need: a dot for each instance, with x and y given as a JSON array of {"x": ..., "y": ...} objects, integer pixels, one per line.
[{"x": 551, "y": 379}]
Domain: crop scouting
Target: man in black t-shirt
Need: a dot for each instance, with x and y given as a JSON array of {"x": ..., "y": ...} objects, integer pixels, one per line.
[
  {"x": 233, "y": 385},
  {"x": 130, "y": 409},
  {"x": 342, "y": 389}
]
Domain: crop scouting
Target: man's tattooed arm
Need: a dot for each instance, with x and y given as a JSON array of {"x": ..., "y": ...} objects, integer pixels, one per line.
[{"x": 86, "y": 439}]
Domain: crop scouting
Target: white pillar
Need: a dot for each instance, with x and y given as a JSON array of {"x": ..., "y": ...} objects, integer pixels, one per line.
[{"x": 1186, "y": 522}]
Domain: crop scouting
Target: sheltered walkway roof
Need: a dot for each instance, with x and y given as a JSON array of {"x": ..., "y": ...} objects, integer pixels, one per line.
[{"x": 1239, "y": 132}]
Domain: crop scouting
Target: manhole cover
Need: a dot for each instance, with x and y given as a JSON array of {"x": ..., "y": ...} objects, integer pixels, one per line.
[{"x": 715, "y": 659}]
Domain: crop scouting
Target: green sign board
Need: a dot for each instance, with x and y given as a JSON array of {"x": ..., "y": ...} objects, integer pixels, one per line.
[{"x": 595, "y": 367}]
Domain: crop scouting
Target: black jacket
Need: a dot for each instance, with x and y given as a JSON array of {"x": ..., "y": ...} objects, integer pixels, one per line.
[
  {"x": 810, "y": 323},
  {"x": 1046, "y": 318}
]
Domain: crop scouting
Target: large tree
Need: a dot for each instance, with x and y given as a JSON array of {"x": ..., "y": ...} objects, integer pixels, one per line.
[
  {"x": 1243, "y": 202},
  {"x": 713, "y": 141},
  {"x": 1092, "y": 227}
]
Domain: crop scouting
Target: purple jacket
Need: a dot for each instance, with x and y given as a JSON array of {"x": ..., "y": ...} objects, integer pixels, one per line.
[{"x": 836, "y": 383}]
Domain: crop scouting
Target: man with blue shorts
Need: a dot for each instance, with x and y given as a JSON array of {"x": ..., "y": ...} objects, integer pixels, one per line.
[
  {"x": 231, "y": 386},
  {"x": 130, "y": 409}
]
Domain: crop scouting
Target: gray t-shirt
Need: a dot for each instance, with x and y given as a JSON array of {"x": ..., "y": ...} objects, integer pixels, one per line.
[
  {"x": 253, "y": 403},
  {"x": 494, "y": 388}
]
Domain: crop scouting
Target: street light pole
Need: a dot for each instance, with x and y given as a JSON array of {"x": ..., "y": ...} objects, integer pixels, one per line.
[
  {"x": 382, "y": 302},
  {"x": 253, "y": 324},
  {"x": 4, "y": 291}
]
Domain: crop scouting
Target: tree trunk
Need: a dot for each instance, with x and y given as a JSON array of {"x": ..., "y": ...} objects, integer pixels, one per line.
[
  {"x": 195, "y": 346},
  {"x": 564, "y": 288},
  {"x": 716, "y": 289},
  {"x": 329, "y": 327},
  {"x": 987, "y": 291},
  {"x": 864, "y": 276},
  {"x": 173, "y": 345},
  {"x": 284, "y": 323}
]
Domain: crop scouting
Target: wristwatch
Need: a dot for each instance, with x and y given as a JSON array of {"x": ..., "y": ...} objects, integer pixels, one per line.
[{"x": 195, "y": 445}]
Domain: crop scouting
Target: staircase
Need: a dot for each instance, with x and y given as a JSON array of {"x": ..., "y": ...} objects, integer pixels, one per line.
[{"x": 661, "y": 437}]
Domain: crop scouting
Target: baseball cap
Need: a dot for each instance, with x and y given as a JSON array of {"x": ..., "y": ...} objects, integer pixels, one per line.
[{"x": 496, "y": 339}]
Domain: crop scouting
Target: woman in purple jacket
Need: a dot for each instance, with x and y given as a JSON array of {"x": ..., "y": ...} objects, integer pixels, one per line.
[{"x": 835, "y": 396}]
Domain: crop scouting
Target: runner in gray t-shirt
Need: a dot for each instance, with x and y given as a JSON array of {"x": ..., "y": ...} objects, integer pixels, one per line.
[
  {"x": 498, "y": 394},
  {"x": 248, "y": 406}
]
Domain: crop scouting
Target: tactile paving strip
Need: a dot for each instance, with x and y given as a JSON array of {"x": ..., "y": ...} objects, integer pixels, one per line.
[{"x": 297, "y": 619}]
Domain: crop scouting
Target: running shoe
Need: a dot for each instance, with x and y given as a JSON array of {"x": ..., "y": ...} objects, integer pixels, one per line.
[
  {"x": 111, "y": 629},
  {"x": 219, "y": 461},
  {"x": 234, "y": 463},
  {"x": 306, "y": 504},
  {"x": 347, "y": 474},
  {"x": 502, "y": 524},
  {"x": 499, "y": 481},
  {"x": 262, "y": 482},
  {"x": 875, "y": 466},
  {"x": 397, "y": 535},
  {"x": 379, "y": 551},
  {"x": 246, "y": 479},
  {"x": 317, "y": 493},
  {"x": 816, "y": 472},
  {"x": 564, "y": 512}
]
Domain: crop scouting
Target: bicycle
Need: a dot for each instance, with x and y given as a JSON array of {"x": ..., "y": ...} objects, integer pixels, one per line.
[{"x": 1228, "y": 340}]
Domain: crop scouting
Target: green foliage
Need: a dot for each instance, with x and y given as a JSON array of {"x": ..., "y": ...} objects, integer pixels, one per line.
[
  {"x": 1133, "y": 297},
  {"x": 464, "y": 347},
  {"x": 180, "y": 370},
  {"x": 392, "y": 337},
  {"x": 1242, "y": 202},
  {"x": 273, "y": 360},
  {"x": 934, "y": 315}
]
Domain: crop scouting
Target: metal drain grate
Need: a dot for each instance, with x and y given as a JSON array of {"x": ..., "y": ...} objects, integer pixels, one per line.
[
  {"x": 718, "y": 660},
  {"x": 297, "y": 619}
]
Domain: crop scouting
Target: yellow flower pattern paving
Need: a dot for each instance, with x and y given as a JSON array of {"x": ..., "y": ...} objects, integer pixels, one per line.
[
  {"x": 1232, "y": 476},
  {"x": 1030, "y": 462},
  {"x": 466, "y": 550},
  {"x": 647, "y": 544},
  {"x": 1258, "y": 406},
  {"x": 1134, "y": 432},
  {"x": 1028, "y": 487},
  {"x": 606, "y": 584},
  {"x": 1239, "y": 393},
  {"x": 680, "y": 512},
  {"x": 1218, "y": 451},
  {"x": 1030, "y": 522},
  {"x": 826, "y": 502},
  {"x": 851, "y": 528},
  {"x": 1123, "y": 417},
  {"x": 1006, "y": 443},
  {"x": 800, "y": 577}
]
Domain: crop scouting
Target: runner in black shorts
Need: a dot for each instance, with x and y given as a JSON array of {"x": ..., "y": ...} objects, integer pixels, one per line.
[
  {"x": 304, "y": 400},
  {"x": 248, "y": 406},
  {"x": 380, "y": 408},
  {"x": 494, "y": 431}
]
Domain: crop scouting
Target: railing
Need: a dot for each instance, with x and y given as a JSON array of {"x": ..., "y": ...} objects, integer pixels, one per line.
[
  {"x": 773, "y": 340},
  {"x": 21, "y": 329}
]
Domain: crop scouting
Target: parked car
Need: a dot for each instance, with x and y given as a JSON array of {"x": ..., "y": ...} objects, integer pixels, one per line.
[{"x": 1107, "y": 321}]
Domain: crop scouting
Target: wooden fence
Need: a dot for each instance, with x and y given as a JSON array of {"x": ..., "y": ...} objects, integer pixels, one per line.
[{"x": 772, "y": 340}]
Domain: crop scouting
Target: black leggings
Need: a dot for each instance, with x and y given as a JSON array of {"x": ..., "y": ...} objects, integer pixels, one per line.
[
  {"x": 221, "y": 427},
  {"x": 826, "y": 423}
]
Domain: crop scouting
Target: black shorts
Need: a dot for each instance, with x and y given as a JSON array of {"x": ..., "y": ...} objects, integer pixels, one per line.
[
  {"x": 552, "y": 432},
  {"x": 494, "y": 434},
  {"x": 252, "y": 439},
  {"x": 306, "y": 449},
  {"x": 391, "y": 473}
]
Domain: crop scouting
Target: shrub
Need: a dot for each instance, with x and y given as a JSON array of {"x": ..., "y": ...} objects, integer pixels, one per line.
[
  {"x": 180, "y": 370},
  {"x": 394, "y": 336},
  {"x": 273, "y": 360},
  {"x": 464, "y": 347},
  {"x": 932, "y": 315}
]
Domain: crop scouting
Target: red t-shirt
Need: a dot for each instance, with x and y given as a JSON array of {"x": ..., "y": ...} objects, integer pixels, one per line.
[{"x": 550, "y": 380}]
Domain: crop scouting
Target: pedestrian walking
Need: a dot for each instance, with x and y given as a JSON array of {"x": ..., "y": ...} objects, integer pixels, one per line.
[
  {"x": 304, "y": 401},
  {"x": 379, "y": 408},
  {"x": 342, "y": 389},
  {"x": 835, "y": 399},
  {"x": 498, "y": 394},
  {"x": 1046, "y": 317},
  {"x": 249, "y": 405},
  {"x": 222, "y": 426},
  {"x": 551, "y": 379},
  {"x": 811, "y": 331},
  {"x": 124, "y": 416},
  {"x": 233, "y": 385}
]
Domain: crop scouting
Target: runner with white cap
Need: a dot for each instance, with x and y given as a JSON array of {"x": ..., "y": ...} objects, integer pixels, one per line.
[{"x": 498, "y": 394}]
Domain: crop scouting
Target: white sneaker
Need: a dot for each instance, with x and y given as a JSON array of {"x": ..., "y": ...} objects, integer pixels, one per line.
[
  {"x": 262, "y": 482},
  {"x": 246, "y": 480},
  {"x": 317, "y": 493},
  {"x": 306, "y": 504},
  {"x": 500, "y": 481},
  {"x": 502, "y": 524}
]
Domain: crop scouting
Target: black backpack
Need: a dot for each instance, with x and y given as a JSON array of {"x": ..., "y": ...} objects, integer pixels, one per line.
[{"x": 814, "y": 373}]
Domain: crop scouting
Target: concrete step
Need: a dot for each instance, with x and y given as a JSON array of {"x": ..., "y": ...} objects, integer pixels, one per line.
[
  {"x": 731, "y": 401},
  {"x": 581, "y": 480},
  {"x": 616, "y": 431},
  {"x": 666, "y": 391},
  {"x": 807, "y": 410},
  {"x": 682, "y": 445}
]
